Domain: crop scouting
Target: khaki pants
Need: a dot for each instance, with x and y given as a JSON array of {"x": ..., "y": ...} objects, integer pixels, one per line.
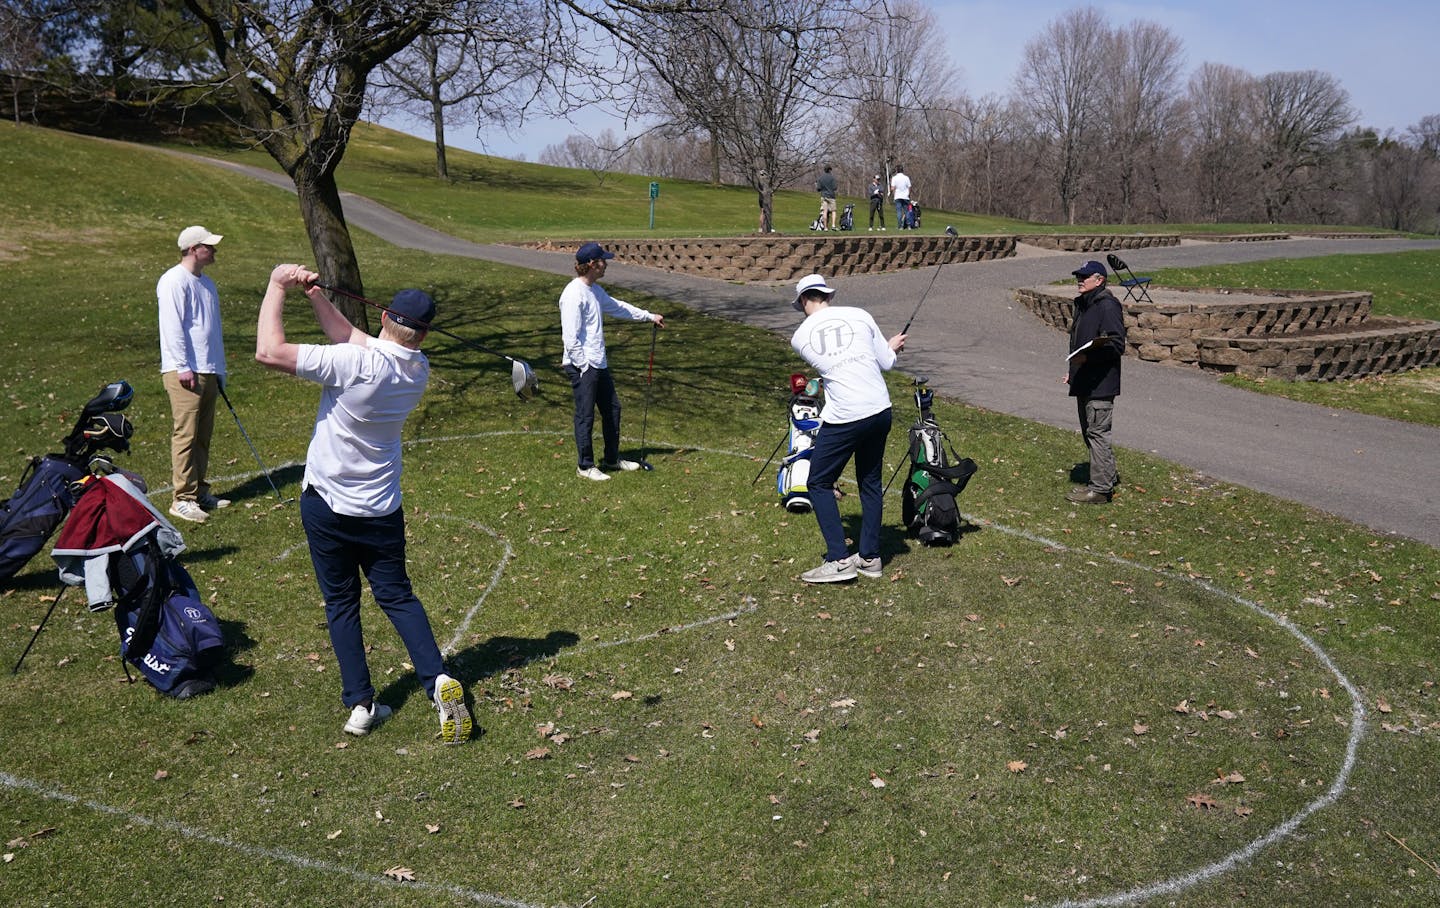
[{"x": 193, "y": 416}]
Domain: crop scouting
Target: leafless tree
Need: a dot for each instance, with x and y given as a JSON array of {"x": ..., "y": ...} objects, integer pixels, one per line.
[
  {"x": 475, "y": 59},
  {"x": 299, "y": 72},
  {"x": 601, "y": 155},
  {"x": 1061, "y": 82},
  {"x": 1142, "y": 114},
  {"x": 1223, "y": 154},
  {"x": 1298, "y": 118}
]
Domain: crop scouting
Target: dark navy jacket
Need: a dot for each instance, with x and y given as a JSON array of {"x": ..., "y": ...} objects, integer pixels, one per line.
[{"x": 1097, "y": 312}]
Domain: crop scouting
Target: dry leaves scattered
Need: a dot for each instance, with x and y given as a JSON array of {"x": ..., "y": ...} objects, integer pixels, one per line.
[{"x": 403, "y": 874}]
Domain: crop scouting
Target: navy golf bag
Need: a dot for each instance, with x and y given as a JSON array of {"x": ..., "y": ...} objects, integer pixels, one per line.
[
  {"x": 793, "y": 477},
  {"x": 48, "y": 489},
  {"x": 927, "y": 502},
  {"x": 847, "y": 218},
  {"x": 912, "y": 216},
  {"x": 122, "y": 550}
]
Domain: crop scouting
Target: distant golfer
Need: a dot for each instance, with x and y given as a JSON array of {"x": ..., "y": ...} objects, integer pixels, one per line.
[
  {"x": 192, "y": 366},
  {"x": 583, "y": 302},
  {"x": 1097, "y": 341},
  {"x": 844, "y": 344},
  {"x": 350, "y": 506}
]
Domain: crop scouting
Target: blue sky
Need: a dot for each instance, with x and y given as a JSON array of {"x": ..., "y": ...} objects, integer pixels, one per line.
[{"x": 1385, "y": 53}]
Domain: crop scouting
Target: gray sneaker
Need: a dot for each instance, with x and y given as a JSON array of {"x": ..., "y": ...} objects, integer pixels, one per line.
[
  {"x": 188, "y": 510},
  {"x": 830, "y": 572},
  {"x": 362, "y": 719},
  {"x": 866, "y": 567}
]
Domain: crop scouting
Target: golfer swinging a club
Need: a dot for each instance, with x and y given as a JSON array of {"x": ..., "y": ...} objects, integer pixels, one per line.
[
  {"x": 845, "y": 345},
  {"x": 582, "y": 304},
  {"x": 350, "y": 505}
]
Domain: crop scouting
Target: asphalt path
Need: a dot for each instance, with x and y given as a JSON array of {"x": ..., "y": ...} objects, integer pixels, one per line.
[{"x": 975, "y": 342}]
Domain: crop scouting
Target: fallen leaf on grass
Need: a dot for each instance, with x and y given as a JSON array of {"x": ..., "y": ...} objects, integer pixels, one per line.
[
  {"x": 432, "y": 828},
  {"x": 403, "y": 874},
  {"x": 1009, "y": 581},
  {"x": 1183, "y": 707},
  {"x": 876, "y": 781},
  {"x": 1139, "y": 729},
  {"x": 1202, "y": 801},
  {"x": 7, "y": 857},
  {"x": 1244, "y": 811},
  {"x": 621, "y": 695},
  {"x": 1227, "y": 778},
  {"x": 538, "y": 753},
  {"x": 161, "y": 774},
  {"x": 517, "y": 804},
  {"x": 332, "y": 836},
  {"x": 1383, "y": 705},
  {"x": 845, "y": 703},
  {"x": 557, "y": 682},
  {"x": 1017, "y": 766}
]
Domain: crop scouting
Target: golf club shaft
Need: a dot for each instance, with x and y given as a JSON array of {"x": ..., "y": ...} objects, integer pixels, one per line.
[
  {"x": 428, "y": 327},
  {"x": 906, "y": 329},
  {"x": 771, "y": 457},
  {"x": 36, "y": 635},
  {"x": 649, "y": 379},
  {"x": 246, "y": 435}
]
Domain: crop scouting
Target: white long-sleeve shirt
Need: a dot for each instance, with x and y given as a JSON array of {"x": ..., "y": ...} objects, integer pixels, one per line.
[
  {"x": 845, "y": 346},
  {"x": 582, "y": 330},
  {"x": 190, "y": 337}
]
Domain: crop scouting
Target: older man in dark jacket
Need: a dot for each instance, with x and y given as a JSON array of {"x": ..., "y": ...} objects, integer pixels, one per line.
[{"x": 1097, "y": 341}]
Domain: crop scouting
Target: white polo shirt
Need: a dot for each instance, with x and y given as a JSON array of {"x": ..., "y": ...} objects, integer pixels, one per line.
[{"x": 368, "y": 392}]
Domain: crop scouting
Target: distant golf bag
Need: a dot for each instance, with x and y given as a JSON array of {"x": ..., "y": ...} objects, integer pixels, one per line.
[
  {"x": 847, "y": 218},
  {"x": 792, "y": 481},
  {"x": 122, "y": 551},
  {"x": 47, "y": 488},
  {"x": 912, "y": 216},
  {"x": 927, "y": 503}
]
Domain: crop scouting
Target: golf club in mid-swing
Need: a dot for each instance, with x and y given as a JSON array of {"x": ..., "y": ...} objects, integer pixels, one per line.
[
  {"x": 246, "y": 435},
  {"x": 522, "y": 377},
  {"x": 906, "y": 329},
  {"x": 649, "y": 379}
]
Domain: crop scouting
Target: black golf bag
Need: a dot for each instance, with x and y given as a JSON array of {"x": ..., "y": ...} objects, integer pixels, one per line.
[
  {"x": 847, "y": 218},
  {"x": 793, "y": 477},
  {"x": 121, "y": 550},
  {"x": 927, "y": 502},
  {"x": 48, "y": 489}
]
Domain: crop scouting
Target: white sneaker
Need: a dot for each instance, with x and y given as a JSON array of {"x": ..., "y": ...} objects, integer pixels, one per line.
[
  {"x": 622, "y": 464},
  {"x": 866, "y": 567},
  {"x": 455, "y": 723},
  {"x": 188, "y": 510},
  {"x": 591, "y": 473},
  {"x": 830, "y": 572},
  {"x": 362, "y": 720},
  {"x": 211, "y": 503}
]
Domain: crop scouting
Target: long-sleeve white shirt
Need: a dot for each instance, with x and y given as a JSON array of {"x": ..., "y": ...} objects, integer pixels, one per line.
[
  {"x": 190, "y": 338},
  {"x": 582, "y": 330},
  {"x": 845, "y": 346}
]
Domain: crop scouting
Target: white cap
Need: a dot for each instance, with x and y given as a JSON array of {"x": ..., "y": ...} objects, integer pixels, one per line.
[
  {"x": 807, "y": 283},
  {"x": 198, "y": 236}
]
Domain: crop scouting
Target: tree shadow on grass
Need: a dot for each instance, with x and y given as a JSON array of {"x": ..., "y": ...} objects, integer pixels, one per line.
[{"x": 485, "y": 660}]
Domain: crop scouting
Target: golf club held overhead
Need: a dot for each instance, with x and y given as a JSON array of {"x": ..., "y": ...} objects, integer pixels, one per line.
[{"x": 522, "y": 377}]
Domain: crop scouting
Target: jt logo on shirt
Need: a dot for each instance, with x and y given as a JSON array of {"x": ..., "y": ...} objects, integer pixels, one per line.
[{"x": 829, "y": 337}]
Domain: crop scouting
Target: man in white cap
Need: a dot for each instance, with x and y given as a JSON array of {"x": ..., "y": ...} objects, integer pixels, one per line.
[
  {"x": 192, "y": 367},
  {"x": 583, "y": 303},
  {"x": 846, "y": 347}
]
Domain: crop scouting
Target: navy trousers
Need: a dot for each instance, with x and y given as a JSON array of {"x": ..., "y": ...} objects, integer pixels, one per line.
[
  {"x": 835, "y": 444},
  {"x": 595, "y": 388}
]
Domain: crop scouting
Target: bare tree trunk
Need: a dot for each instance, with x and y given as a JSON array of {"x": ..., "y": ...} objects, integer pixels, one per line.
[
  {"x": 335, "y": 259},
  {"x": 437, "y": 116},
  {"x": 714, "y": 159}
]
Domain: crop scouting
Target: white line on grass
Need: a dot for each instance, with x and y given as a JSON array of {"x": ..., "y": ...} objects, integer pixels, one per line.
[{"x": 1169, "y": 886}]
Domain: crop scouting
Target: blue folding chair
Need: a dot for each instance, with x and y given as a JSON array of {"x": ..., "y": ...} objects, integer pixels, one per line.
[{"x": 1135, "y": 287}]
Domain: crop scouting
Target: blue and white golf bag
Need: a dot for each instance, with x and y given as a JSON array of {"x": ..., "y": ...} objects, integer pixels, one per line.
[{"x": 792, "y": 481}]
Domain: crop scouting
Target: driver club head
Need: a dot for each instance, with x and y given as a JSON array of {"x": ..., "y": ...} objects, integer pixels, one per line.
[{"x": 523, "y": 380}]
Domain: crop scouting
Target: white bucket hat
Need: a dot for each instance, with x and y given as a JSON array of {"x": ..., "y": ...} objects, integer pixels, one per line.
[{"x": 807, "y": 283}]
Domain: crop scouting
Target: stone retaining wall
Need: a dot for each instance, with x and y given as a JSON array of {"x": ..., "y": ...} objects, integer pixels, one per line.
[
  {"x": 1097, "y": 242},
  {"x": 1291, "y": 335},
  {"x": 788, "y": 258}
]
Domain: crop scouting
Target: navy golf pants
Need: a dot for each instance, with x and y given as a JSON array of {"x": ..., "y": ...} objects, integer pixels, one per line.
[
  {"x": 342, "y": 548},
  {"x": 835, "y": 444},
  {"x": 595, "y": 388}
]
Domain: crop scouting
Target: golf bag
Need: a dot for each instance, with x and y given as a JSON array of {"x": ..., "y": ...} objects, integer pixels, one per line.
[
  {"x": 48, "y": 489},
  {"x": 847, "y": 218},
  {"x": 122, "y": 551},
  {"x": 927, "y": 502},
  {"x": 793, "y": 477},
  {"x": 912, "y": 216},
  {"x": 819, "y": 222}
]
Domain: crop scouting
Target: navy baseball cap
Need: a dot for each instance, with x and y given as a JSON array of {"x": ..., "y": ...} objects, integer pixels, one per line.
[
  {"x": 413, "y": 309},
  {"x": 1089, "y": 268},
  {"x": 591, "y": 252}
]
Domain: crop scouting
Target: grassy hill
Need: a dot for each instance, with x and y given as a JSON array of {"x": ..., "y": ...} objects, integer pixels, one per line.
[{"x": 1198, "y": 696}]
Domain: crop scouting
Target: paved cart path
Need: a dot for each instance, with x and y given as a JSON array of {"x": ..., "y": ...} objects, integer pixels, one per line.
[{"x": 975, "y": 342}]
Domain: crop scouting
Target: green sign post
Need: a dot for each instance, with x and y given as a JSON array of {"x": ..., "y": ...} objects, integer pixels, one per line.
[{"x": 654, "y": 193}]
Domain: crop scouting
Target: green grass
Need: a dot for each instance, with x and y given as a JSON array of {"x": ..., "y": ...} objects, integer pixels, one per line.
[
  {"x": 1405, "y": 284},
  {"x": 724, "y": 726}
]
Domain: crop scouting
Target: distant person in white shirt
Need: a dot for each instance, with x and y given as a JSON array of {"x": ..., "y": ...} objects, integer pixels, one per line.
[
  {"x": 846, "y": 347},
  {"x": 583, "y": 303},
  {"x": 350, "y": 506},
  {"x": 900, "y": 192},
  {"x": 192, "y": 368}
]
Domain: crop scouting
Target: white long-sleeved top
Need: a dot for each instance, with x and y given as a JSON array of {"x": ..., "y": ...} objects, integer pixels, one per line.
[
  {"x": 845, "y": 346},
  {"x": 582, "y": 331},
  {"x": 190, "y": 336}
]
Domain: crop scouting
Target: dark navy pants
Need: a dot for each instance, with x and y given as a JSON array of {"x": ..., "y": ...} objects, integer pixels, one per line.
[
  {"x": 344, "y": 547},
  {"x": 835, "y": 443},
  {"x": 595, "y": 388}
]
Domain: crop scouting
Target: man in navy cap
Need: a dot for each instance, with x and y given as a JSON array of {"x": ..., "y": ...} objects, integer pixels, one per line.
[
  {"x": 582, "y": 304},
  {"x": 350, "y": 506},
  {"x": 1097, "y": 341}
]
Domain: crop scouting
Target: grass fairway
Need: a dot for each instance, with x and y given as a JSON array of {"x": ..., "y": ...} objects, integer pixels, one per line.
[{"x": 1199, "y": 695}]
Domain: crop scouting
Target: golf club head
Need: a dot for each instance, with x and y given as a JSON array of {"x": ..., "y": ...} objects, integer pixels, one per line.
[
  {"x": 950, "y": 231},
  {"x": 522, "y": 377},
  {"x": 112, "y": 398}
]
